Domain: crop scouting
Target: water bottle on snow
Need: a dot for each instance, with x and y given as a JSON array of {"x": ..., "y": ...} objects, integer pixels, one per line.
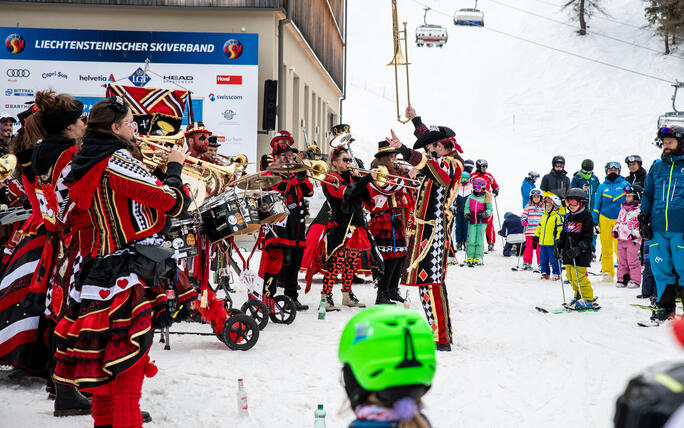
[
  {"x": 319, "y": 413},
  {"x": 243, "y": 409}
]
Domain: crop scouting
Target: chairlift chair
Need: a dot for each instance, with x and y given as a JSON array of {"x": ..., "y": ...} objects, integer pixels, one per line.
[
  {"x": 429, "y": 34},
  {"x": 472, "y": 17}
]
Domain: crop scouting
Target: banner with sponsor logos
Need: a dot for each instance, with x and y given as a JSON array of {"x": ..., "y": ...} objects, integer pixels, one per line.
[{"x": 219, "y": 69}]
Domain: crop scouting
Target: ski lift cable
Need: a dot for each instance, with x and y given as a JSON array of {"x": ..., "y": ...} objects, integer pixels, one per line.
[
  {"x": 627, "y": 24},
  {"x": 588, "y": 32},
  {"x": 504, "y": 33}
]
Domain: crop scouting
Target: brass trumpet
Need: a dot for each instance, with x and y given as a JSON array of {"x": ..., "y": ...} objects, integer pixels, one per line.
[
  {"x": 240, "y": 161},
  {"x": 7, "y": 164}
]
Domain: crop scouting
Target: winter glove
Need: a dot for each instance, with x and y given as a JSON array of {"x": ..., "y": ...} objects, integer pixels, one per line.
[
  {"x": 615, "y": 234},
  {"x": 483, "y": 215},
  {"x": 496, "y": 192},
  {"x": 597, "y": 230},
  {"x": 466, "y": 216},
  {"x": 572, "y": 252},
  {"x": 645, "y": 226},
  {"x": 535, "y": 242},
  {"x": 633, "y": 238},
  {"x": 557, "y": 252}
]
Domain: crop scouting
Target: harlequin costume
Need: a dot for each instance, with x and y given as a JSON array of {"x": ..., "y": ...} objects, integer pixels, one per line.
[
  {"x": 348, "y": 241},
  {"x": 284, "y": 241},
  {"x": 428, "y": 248},
  {"x": 118, "y": 298}
]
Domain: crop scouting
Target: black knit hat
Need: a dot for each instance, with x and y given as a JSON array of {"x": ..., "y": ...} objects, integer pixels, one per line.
[
  {"x": 434, "y": 135},
  {"x": 384, "y": 149}
]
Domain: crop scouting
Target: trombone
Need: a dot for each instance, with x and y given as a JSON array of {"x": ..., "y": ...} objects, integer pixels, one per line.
[
  {"x": 240, "y": 161},
  {"x": 399, "y": 59},
  {"x": 319, "y": 171},
  {"x": 383, "y": 176}
]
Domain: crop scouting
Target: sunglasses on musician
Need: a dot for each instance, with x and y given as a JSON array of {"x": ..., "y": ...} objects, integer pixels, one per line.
[{"x": 346, "y": 160}]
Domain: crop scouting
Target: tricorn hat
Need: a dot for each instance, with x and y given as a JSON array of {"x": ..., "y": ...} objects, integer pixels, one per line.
[
  {"x": 434, "y": 135},
  {"x": 196, "y": 127}
]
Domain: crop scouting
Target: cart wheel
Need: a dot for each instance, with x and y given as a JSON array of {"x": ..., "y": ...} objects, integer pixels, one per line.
[
  {"x": 257, "y": 310},
  {"x": 284, "y": 310},
  {"x": 240, "y": 332}
]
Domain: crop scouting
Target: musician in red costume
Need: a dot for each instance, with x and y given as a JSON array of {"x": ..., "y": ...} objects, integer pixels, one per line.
[
  {"x": 285, "y": 240},
  {"x": 118, "y": 298},
  {"x": 428, "y": 250},
  {"x": 387, "y": 206},
  {"x": 197, "y": 137}
]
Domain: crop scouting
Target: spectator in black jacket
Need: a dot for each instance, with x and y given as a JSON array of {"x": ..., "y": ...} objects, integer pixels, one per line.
[
  {"x": 556, "y": 181},
  {"x": 637, "y": 173},
  {"x": 512, "y": 229}
]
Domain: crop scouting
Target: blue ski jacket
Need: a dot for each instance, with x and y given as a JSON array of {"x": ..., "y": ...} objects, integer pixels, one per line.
[
  {"x": 578, "y": 180},
  {"x": 663, "y": 196},
  {"x": 527, "y": 185},
  {"x": 609, "y": 198}
]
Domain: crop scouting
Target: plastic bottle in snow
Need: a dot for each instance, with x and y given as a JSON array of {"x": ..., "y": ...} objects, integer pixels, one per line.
[
  {"x": 407, "y": 303},
  {"x": 321, "y": 308},
  {"x": 243, "y": 408},
  {"x": 319, "y": 413}
]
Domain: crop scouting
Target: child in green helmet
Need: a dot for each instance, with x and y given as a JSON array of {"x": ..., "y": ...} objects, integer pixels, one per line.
[{"x": 388, "y": 357}]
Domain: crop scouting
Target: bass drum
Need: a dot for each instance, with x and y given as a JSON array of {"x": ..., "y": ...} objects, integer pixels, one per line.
[{"x": 272, "y": 208}]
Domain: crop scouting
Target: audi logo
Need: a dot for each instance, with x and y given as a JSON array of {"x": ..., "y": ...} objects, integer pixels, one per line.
[{"x": 18, "y": 72}]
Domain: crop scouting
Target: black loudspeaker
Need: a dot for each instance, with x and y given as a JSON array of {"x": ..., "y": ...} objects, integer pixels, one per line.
[{"x": 270, "y": 105}]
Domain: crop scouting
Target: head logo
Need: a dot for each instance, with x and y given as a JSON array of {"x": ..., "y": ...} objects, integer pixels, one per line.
[
  {"x": 139, "y": 77},
  {"x": 232, "y": 48},
  {"x": 15, "y": 44},
  {"x": 212, "y": 97}
]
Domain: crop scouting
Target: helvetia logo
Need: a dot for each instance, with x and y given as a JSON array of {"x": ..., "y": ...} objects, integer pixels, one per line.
[
  {"x": 15, "y": 44},
  {"x": 232, "y": 48}
]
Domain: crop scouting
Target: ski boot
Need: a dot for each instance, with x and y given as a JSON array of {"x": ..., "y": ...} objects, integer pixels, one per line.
[
  {"x": 607, "y": 277},
  {"x": 662, "y": 314},
  {"x": 470, "y": 262},
  {"x": 581, "y": 304},
  {"x": 478, "y": 262},
  {"x": 349, "y": 299},
  {"x": 526, "y": 266}
]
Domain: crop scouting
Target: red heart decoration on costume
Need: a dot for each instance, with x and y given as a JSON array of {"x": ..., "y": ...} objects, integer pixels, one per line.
[
  {"x": 104, "y": 293},
  {"x": 122, "y": 283}
]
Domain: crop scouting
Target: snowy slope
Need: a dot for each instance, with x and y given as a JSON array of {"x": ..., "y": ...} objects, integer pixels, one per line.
[
  {"x": 517, "y": 105},
  {"x": 511, "y": 365},
  {"x": 514, "y": 103}
]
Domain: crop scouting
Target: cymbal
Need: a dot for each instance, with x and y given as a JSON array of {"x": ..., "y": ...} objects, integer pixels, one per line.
[
  {"x": 288, "y": 168},
  {"x": 257, "y": 181}
]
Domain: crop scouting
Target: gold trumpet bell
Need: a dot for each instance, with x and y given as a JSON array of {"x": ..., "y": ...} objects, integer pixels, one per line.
[
  {"x": 382, "y": 176},
  {"x": 7, "y": 164},
  {"x": 319, "y": 169}
]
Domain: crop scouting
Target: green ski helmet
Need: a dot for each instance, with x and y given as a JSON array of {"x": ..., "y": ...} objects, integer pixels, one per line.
[{"x": 387, "y": 346}]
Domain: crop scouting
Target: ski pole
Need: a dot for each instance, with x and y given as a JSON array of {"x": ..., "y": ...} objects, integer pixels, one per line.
[
  {"x": 498, "y": 219},
  {"x": 519, "y": 250}
]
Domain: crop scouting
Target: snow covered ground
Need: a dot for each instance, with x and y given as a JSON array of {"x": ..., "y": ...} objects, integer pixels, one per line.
[
  {"x": 517, "y": 105},
  {"x": 511, "y": 365}
]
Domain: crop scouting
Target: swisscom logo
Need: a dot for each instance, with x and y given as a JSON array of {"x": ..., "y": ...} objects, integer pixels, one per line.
[
  {"x": 15, "y": 44},
  {"x": 232, "y": 48}
]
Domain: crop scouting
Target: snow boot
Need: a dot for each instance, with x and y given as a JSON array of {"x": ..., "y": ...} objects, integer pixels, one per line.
[
  {"x": 382, "y": 298},
  {"x": 556, "y": 278},
  {"x": 444, "y": 347},
  {"x": 348, "y": 299},
  {"x": 621, "y": 284},
  {"x": 526, "y": 266},
  {"x": 330, "y": 304},
  {"x": 394, "y": 295},
  {"x": 299, "y": 306},
  {"x": 607, "y": 277},
  {"x": 545, "y": 276},
  {"x": 632, "y": 284},
  {"x": 70, "y": 402},
  {"x": 490, "y": 247}
]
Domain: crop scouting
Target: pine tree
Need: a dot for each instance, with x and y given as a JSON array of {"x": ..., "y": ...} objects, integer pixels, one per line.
[
  {"x": 583, "y": 9},
  {"x": 667, "y": 17}
]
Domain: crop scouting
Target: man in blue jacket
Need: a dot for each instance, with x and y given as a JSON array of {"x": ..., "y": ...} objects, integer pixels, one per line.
[
  {"x": 527, "y": 185},
  {"x": 609, "y": 198},
  {"x": 662, "y": 219}
]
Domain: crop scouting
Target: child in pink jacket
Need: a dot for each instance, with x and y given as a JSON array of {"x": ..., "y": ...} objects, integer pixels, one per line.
[
  {"x": 626, "y": 231},
  {"x": 530, "y": 219}
]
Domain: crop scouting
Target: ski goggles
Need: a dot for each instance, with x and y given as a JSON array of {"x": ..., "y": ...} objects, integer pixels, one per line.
[
  {"x": 633, "y": 158},
  {"x": 613, "y": 165},
  {"x": 669, "y": 133}
]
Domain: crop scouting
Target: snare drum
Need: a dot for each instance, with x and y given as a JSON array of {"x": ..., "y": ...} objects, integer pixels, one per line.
[
  {"x": 182, "y": 238},
  {"x": 272, "y": 208},
  {"x": 222, "y": 218},
  {"x": 249, "y": 208}
]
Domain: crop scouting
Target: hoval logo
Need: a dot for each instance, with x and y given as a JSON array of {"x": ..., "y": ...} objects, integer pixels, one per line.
[
  {"x": 139, "y": 77},
  {"x": 15, "y": 44},
  {"x": 232, "y": 48}
]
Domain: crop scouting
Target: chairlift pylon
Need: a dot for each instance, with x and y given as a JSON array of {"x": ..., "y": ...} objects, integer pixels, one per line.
[{"x": 430, "y": 34}]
